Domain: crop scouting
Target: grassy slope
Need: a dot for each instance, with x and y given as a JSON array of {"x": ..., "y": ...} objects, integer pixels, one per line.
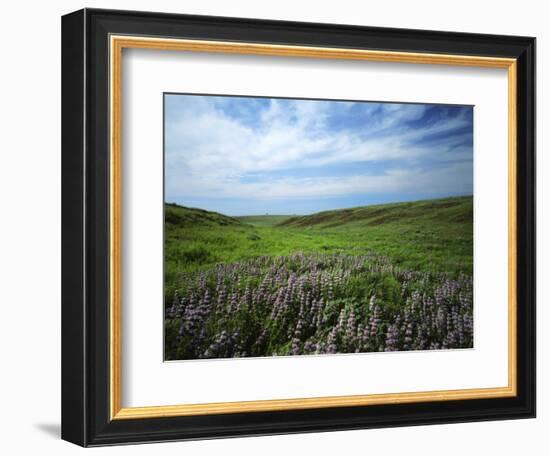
[
  {"x": 421, "y": 235},
  {"x": 176, "y": 215},
  {"x": 446, "y": 211},
  {"x": 264, "y": 220}
]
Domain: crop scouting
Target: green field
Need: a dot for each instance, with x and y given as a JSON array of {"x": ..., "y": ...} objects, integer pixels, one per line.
[
  {"x": 430, "y": 236},
  {"x": 376, "y": 278}
]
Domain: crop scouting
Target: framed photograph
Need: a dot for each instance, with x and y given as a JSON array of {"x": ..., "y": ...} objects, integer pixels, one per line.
[{"x": 278, "y": 227}]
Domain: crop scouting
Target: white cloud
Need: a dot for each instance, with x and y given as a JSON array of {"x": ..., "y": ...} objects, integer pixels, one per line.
[
  {"x": 208, "y": 152},
  {"x": 453, "y": 179}
]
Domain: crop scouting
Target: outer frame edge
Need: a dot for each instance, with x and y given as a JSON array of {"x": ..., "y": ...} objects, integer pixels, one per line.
[
  {"x": 74, "y": 325},
  {"x": 111, "y": 434}
]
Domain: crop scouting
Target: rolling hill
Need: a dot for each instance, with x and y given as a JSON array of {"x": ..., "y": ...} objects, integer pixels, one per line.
[
  {"x": 264, "y": 220},
  {"x": 447, "y": 210},
  {"x": 174, "y": 214}
]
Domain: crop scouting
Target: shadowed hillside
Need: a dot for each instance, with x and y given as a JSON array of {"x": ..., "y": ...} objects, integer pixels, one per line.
[
  {"x": 447, "y": 210},
  {"x": 175, "y": 214},
  {"x": 264, "y": 220}
]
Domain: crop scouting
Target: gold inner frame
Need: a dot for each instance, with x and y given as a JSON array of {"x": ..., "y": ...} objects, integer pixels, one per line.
[{"x": 117, "y": 44}]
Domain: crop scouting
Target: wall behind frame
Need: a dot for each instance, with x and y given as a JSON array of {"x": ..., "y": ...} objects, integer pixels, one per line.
[{"x": 30, "y": 233}]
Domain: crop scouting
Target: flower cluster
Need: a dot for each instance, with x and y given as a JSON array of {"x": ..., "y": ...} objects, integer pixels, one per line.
[{"x": 316, "y": 304}]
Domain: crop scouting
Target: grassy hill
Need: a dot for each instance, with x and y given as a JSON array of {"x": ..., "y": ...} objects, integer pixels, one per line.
[
  {"x": 177, "y": 215},
  {"x": 264, "y": 220},
  {"x": 457, "y": 210},
  {"x": 430, "y": 235}
]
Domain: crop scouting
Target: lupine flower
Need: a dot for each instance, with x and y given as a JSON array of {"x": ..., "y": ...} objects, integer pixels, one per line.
[{"x": 301, "y": 302}]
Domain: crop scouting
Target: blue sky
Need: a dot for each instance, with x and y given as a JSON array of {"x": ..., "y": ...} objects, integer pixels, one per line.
[{"x": 245, "y": 156}]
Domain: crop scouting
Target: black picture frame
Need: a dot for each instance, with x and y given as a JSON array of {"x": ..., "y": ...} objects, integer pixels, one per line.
[{"x": 85, "y": 228}]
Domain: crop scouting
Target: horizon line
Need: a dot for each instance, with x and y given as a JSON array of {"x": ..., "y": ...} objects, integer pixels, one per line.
[{"x": 264, "y": 214}]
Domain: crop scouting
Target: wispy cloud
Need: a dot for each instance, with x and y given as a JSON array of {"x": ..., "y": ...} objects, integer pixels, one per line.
[{"x": 257, "y": 150}]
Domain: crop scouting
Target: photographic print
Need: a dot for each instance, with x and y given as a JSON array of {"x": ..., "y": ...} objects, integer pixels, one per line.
[{"x": 316, "y": 227}]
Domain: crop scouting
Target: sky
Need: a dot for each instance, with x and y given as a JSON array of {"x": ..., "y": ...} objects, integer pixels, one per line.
[{"x": 250, "y": 156}]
